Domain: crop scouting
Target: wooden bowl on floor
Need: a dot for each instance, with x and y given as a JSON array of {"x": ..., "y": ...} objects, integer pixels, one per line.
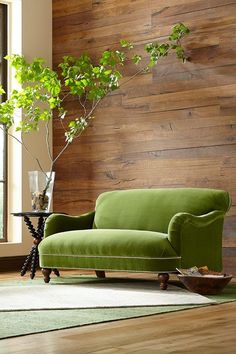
[{"x": 205, "y": 285}]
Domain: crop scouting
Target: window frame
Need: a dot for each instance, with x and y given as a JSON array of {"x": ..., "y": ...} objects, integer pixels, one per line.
[{"x": 4, "y": 83}]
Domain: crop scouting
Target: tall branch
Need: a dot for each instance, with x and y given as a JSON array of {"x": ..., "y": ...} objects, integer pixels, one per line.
[
  {"x": 60, "y": 153},
  {"x": 66, "y": 95},
  {"x": 92, "y": 109},
  {"x": 133, "y": 76},
  {"x": 83, "y": 105},
  {"x": 26, "y": 149},
  {"x": 47, "y": 142}
]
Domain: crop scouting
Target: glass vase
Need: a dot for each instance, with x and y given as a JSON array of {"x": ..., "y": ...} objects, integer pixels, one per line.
[{"x": 41, "y": 187}]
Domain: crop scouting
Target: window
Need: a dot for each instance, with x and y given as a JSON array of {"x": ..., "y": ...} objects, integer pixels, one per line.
[{"x": 3, "y": 137}]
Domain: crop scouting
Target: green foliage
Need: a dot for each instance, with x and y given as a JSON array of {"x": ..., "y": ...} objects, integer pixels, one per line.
[
  {"x": 44, "y": 90},
  {"x": 178, "y": 32},
  {"x": 136, "y": 58},
  {"x": 125, "y": 44},
  {"x": 76, "y": 127},
  {"x": 157, "y": 50},
  {"x": 82, "y": 77},
  {"x": 40, "y": 87}
]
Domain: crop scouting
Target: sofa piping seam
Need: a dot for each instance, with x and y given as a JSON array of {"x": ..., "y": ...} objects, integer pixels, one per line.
[{"x": 122, "y": 257}]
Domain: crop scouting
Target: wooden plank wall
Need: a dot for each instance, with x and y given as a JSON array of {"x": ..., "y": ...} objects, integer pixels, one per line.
[{"x": 175, "y": 127}]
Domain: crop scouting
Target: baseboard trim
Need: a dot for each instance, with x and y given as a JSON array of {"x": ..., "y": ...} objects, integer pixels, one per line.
[{"x": 10, "y": 264}]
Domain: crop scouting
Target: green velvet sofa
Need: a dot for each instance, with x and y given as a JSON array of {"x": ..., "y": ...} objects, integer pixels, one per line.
[{"x": 139, "y": 230}]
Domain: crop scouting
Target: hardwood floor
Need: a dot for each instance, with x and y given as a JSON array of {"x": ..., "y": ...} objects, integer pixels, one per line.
[{"x": 208, "y": 330}]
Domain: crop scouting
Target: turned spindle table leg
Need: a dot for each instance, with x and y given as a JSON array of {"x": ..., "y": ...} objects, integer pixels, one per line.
[
  {"x": 27, "y": 263},
  {"x": 32, "y": 260}
]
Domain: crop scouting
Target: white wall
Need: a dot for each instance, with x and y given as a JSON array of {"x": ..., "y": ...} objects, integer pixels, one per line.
[{"x": 36, "y": 41}]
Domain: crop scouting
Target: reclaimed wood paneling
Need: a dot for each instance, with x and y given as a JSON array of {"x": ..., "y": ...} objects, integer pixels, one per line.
[{"x": 175, "y": 127}]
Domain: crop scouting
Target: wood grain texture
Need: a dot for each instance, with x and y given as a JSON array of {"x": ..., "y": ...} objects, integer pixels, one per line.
[{"x": 175, "y": 127}]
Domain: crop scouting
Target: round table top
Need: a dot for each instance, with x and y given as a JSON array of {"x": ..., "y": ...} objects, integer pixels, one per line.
[{"x": 33, "y": 213}]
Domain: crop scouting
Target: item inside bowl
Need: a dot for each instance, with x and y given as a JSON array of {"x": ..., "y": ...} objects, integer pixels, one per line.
[{"x": 203, "y": 271}]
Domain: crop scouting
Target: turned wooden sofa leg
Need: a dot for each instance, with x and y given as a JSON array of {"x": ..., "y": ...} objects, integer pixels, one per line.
[
  {"x": 56, "y": 272},
  {"x": 100, "y": 273},
  {"x": 46, "y": 274},
  {"x": 163, "y": 278}
]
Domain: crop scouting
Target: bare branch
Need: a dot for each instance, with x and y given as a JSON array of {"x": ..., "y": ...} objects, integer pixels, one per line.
[
  {"x": 83, "y": 105},
  {"x": 66, "y": 95},
  {"x": 60, "y": 153},
  {"x": 92, "y": 109},
  {"x": 133, "y": 76},
  {"x": 62, "y": 124},
  {"x": 47, "y": 142},
  {"x": 139, "y": 72},
  {"x": 26, "y": 149}
]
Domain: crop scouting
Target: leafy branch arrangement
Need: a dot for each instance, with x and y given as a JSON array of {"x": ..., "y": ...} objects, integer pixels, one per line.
[{"x": 44, "y": 91}]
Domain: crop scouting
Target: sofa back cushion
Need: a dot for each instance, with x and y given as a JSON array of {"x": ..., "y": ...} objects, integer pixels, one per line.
[{"x": 152, "y": 209}]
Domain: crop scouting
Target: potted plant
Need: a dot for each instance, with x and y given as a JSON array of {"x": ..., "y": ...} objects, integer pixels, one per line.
[{"x": 44, "y": 93}]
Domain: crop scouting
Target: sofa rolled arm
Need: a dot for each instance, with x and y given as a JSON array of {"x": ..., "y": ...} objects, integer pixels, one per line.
[
  {"x": 60, "y": 222},
  {"x": 181, "y": 222}
]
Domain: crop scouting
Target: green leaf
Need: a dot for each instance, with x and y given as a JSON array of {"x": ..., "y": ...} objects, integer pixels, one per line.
[
  {"x": 52, "y": 102},
  {"x": 107, "y": 72},
  {"x": 45, "y": 115},
  {"x": 136, "y": 58},
  {"x": 1, "y": 90},
  {"x": 105, "y": 59},
  {"x": 72, "y": 124},
  {"x": 84, "y": 82},
  {"x": 96, "y": 70},
  {"x": 117, "y": 74},
  {"x": 178, "y": 31},
  {"x": 126, "y": 44},
  {"x": 121, "y": 56},
  {"x": 149, "y": 47},
  {"x": 163, "y": 49}
]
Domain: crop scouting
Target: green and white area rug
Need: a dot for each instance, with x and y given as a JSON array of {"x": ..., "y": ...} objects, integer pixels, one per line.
[{"x": 25, "y": 321}]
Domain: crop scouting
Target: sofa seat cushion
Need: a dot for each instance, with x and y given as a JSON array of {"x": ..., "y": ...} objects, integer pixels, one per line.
[{"x": 109, "y": 249}]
